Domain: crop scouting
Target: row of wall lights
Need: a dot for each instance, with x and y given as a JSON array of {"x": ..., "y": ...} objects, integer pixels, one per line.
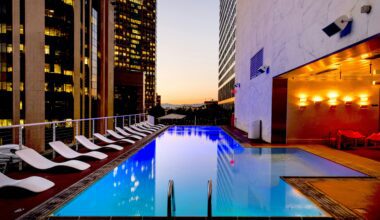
[{"x": 333, "y": 100}]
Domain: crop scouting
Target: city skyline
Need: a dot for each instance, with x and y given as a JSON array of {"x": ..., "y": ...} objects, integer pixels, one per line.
[{"x": 187, "y": 50}]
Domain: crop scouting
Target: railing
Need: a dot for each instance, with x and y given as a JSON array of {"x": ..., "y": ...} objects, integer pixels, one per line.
[
  {"x": 171, "y": 199},
  {"x": 209, "y": 199},
  {"x": 64, "y": 131}
]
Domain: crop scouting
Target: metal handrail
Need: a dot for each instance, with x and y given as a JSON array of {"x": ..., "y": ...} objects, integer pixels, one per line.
[
  {"x": 209, "y": 199},
  {"x": 171, "y": 199},
  {"x": 68, "y": 121},
  {"x": 75, "y": 122}
]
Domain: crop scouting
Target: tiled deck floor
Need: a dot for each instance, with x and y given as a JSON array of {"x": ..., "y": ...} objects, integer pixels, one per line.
[{"x": 360, "y": 195}]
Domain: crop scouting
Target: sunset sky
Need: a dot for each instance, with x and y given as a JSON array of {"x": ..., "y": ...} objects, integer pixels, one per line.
[{"x": 187, "y": 50}]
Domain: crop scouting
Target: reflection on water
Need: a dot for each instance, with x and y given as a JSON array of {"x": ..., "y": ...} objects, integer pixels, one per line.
[{"x": 246, "y": 181}]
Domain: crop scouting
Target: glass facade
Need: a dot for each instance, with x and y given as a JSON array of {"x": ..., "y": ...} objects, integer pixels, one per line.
[
  {"x": 6, "y": 62},
  {"x": 227, "y": 16},
  {"x": 135, "y": 55},
  {"x": 59, "y": 59},
  {"x": 59, "y": 66}
]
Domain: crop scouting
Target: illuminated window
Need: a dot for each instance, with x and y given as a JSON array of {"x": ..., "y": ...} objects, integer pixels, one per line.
[
  {"x": 9, "y": 69},
  {"x": 47, "y": 49},
  {"x": 9, "y": 48},
  {"x": 47, "y": 68},
  {"x": 3, "y": 28},
  {"x": 22, "y": 86},
  {"x": 21, "y": 47},
  {"x": 68, "y": 72},
  {"x": 68, "y": 88},
  {"x": 69, "y": 2},
  {"x": 49, "y": 13},
  {"x": 5, "y": 122},
  {"x": 57, "y": 68}
]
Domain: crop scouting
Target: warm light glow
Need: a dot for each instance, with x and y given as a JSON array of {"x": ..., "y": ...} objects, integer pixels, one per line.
[
  {"x": 333, "y": 101},
  {"x": 303, "y": 101},
  {"x": 317, "y": 99},
  {"x": 348, "y": 100},
  {"x": 364, "y": 56},
  {"x": 363, "y": 98},
  {"x": 332, "y": 95},
  {"x": 363, "y": 102}
]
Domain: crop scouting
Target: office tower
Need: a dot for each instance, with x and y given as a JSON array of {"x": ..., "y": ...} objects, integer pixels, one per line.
[
  {"x": 56, "y": 60},
  {"x": 135, "y": 55},
  {"x": 226, "y": 85}
]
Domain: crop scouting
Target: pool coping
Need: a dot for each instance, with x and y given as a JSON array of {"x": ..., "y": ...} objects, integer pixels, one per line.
[
  {"x": 302, "y": 183},
  {"x": 46, "y": 208}
]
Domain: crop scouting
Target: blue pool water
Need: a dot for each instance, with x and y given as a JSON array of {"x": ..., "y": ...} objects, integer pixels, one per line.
[{"x": 246, "y": 181}]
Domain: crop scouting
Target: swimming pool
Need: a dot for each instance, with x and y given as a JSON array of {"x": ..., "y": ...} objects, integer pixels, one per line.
[{"x": 246, "y": 181}]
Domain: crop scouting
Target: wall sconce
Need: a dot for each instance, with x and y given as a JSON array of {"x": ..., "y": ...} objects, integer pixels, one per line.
[
  {"x": 333, "y": 100},
  {"x": 317, "y": 99},
  {"x": 363, "y": 102},
  {"x": 347, "y": 100},
  {"x": 303, "y": 102}
]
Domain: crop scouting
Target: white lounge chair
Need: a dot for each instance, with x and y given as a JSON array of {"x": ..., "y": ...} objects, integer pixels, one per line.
[
  {"x": 159, "y": 125},
  {"x": 123, "y": 135},
  {"x": 109, "y": 141},
  {"x": 38, "y": 161},
  {"x": 68, "y": 153},
  {"x": 34, "y": 183},
  {"x": 144, "y": 126},
  {"x": 134, "y": 131},
  {"x": 91, "y": 146},
  {"x": 140, "y": 130}
]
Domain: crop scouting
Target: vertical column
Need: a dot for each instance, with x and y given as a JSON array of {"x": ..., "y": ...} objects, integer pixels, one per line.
[
  {"x": 16, "y": 67},
  {"x": 89, "y": 64},
  {"x": 77, "y": 57},
  {"x": 34, "y": 72},
  {"x": 110, "y": 58},
  {"x": 107, "y": 69},
  {"x": 83, "y": 73}
]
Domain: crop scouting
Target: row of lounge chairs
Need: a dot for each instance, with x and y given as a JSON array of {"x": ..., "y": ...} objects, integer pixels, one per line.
[{"x": 34, "y": 159}]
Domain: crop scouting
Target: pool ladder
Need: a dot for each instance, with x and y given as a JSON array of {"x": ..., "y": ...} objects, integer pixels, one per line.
[
  {"x": 171, "y": 199},
  {"x": 209, "y": 199}
]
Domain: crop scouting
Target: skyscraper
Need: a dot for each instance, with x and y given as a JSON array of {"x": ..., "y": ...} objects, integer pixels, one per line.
[
  {"x": 135, "y": 55},
  {"x": 56, "y": 61},
  {"x": 226, "y": 85}
]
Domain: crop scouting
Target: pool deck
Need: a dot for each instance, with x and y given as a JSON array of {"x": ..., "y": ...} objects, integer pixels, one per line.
[
  {"x": 343, "y": 198},
  {"x": 68, "y": 183}
]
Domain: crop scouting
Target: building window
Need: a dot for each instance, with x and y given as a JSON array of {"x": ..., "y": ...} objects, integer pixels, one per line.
[
  {"x": 47, "y": 49},
  {"x": 256, "y": 62}
]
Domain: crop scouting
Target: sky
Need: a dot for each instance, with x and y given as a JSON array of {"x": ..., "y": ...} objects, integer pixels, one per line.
[{"x": 187, "y": 50}]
